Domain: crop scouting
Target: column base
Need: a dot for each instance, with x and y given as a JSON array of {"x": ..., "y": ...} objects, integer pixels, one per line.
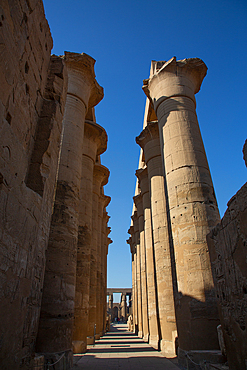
[
  {"x": 79, "y": 346},
  {"x": 188, "y": 359},
  {"x": 97, "y": 336},
  {"x": 146, "y": 338},
  {"x": 63, "y": 360},
  {"x": 38, "y": 362},
  {"x": 154, "y": 342},
  {"x": 168, "y": 348},
  {"x": 140, "y": 334},
  {"x": 90, "y": 340}
]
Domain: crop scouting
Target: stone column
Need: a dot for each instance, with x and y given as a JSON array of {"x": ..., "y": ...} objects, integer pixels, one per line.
[
  {"x": 124, "y": 307},
  {"x": 110, "y": 305},
  {"x": 142, "y": 175},
  {"x": 138, "y": 296},
  {"x": 57, "y": 310},
  {"x": 104, "y": 262},
  {"x": 143, "y": 280},
  {"x": 131, "y": 243},
  {"x": 94, "y": 143},
  {"x": 100, "y": 297},
  {"x": 192, "y": 205},
  {"x": 149, "y": 142},
  {"x": 101, "y": 174}
]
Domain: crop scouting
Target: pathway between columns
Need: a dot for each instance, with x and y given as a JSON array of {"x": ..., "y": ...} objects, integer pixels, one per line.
[{"x": 120, "y": 349}]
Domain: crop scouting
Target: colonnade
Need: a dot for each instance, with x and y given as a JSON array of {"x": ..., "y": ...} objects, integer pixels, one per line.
[
  {"x": 174, "y": 306},
  {"x": 74, "y": 289},
  {"x": 123, "y": 311}
]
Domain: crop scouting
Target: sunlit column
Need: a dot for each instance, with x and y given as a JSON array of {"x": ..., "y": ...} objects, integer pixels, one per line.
[
  {"x": 138, "y": 296},
  {"x": 131, "y": 242},
  {"x": 192, "y": 205},
  {"x": 149, "y": 141},
  {"x": 57, "y": 310},
  {"x": 142, "y": 175},
  {"x": 142, "y": 258}
]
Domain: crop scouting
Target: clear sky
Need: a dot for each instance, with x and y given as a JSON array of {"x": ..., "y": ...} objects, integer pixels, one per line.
[{"x": 124, "y": 36}]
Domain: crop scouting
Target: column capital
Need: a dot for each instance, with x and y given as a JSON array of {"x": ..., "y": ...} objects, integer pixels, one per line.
[
  {"x": 96, "y": 133},
  {"x": 175, "y": 78},
  {"x": 107, "y": 200},
  {"x": 138, "y": 202},
  {"x": 142, "y": 175},
  {"x": 131, "y": 230},
  {"x": 131, "y": 243},
  {"x": 149, "y": 141},
  {"x": 150, "y": 132},
  {"x": 82, "y": 82},
  {"x": 108, "y": 230},
  {"x": 101, "y": 173}
]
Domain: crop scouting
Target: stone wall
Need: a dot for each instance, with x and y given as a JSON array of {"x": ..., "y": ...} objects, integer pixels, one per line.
[
  {"x": 37, "y": 103},
  {"x": 32, "y": 98},
  {"x": 227, "y": 245}
]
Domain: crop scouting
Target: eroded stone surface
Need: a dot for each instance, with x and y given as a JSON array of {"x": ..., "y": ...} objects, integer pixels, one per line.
[{"x": 227, "y": 245}]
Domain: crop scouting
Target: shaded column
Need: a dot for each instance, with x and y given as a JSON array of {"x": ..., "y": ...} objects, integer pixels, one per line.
[
  {"x": 110, "y": 305},
  {"x": 100, "y": 178},
  {"x": 104, "y": 253},
  {"x": 149, "y": 141},
  {"x": 100, "y": 298},
  {"x": 192, "y": 205},
  {"x": 132, "y": 245},
  {"x": 94, "y": 143},
  {"x": 138, "y": 199},
  {"x": 142, "y": 175},
  {"x": 57, "y": 310},
  {"x": 138, "y": 296}
]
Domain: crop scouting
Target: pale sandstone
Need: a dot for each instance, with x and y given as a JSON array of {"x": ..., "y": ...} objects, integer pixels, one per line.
[
  {"x": 142, "y": 175},
  {"x": 138, "y": 310},
  {"x": 227, "y": 247},
  {"x": 171, "y": 90},
  {"x": 149, "y": 141}
]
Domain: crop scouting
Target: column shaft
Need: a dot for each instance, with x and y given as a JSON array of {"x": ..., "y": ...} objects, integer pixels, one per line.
[
  {"x": 57, "y": 310},
  {"x": 149, "y": 141},
  {"x": 191, "y": 200},
  {"x": 95, "y": 142},
  {"x": 143, "y": 280},
  {"x": 142, "y": 175}
]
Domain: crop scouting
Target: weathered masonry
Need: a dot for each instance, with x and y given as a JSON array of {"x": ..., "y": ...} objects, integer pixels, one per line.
[
  {"x": 174, "y": 304},
  {"x": 227, "y": 246},
  {"x": 53, "y": 219},
  {"x": 119, "y": 310}
]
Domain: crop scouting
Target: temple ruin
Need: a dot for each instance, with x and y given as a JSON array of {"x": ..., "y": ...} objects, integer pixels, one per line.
[
  {"x": 54, "y": 233},
  {"x": 174, "y": 296},
  {"x": 189, "y": 269}
]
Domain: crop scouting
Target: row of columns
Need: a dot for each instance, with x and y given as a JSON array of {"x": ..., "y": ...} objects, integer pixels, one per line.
[
  {"x": 75, "y": 275},
  {"x": 174, "y": 209},
  {"x": 122, "y": 310}
]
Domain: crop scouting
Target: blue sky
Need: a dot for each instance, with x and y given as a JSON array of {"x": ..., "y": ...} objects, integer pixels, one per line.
[{"x": 123, "y": 37}]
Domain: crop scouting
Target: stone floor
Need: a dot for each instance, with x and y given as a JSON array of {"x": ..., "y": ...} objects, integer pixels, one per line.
[{"x": 120, "y": 349}]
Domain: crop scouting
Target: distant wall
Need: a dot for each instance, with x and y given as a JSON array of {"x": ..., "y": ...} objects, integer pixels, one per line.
[
  {"x": 227, "y": 244},
  {"x": 32, "y": 98}
]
